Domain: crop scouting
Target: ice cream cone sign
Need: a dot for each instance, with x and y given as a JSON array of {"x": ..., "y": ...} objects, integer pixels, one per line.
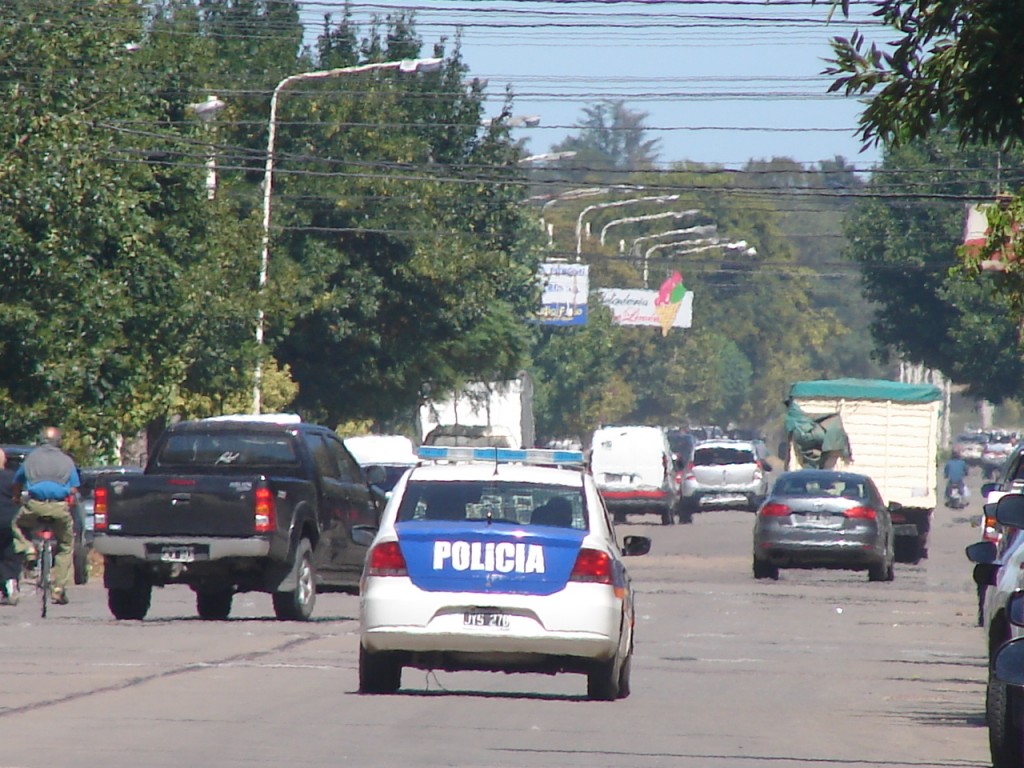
[{"x": 666, "y": 304}]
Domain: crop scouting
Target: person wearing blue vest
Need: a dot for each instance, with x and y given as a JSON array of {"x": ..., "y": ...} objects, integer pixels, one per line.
[{"x": 43, "y": 483}]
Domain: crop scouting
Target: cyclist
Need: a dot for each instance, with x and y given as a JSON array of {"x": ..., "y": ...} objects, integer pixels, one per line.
[
  {"x": 10, "y": 561},
  {"x": 47, "y": 477}
]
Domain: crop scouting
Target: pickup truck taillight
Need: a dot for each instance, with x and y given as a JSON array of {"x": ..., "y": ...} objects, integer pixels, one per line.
[
  {"x": 99, "y": 509},
  {"x": 264, "y": 517}
]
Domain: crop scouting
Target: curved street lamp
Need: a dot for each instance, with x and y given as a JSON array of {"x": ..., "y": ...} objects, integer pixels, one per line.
[
  {"x": 406, "y": 66},
  {"x": 205, "y": 112},
  {"x": 615, "y": 204}
]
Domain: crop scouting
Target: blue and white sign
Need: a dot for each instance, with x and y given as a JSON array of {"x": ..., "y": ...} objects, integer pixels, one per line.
[{"x": 565, "y": 290}]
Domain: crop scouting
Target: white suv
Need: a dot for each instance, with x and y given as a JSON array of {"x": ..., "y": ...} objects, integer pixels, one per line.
[{"x": 727, "y": 474}]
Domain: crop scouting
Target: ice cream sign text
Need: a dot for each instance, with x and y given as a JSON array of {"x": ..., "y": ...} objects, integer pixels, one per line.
[
  {"x": 489, "y": 556},
  {"x": 638, "y": 307}
]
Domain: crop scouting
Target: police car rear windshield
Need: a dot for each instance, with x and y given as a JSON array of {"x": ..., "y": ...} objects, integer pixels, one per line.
[{"x": 524, "y": 504}]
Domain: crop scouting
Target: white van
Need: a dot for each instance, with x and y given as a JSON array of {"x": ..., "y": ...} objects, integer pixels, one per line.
[{"x": 635, "y": 472}]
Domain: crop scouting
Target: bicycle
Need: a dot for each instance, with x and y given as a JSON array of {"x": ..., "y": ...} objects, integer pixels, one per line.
[{"x": 45, "y": 543}]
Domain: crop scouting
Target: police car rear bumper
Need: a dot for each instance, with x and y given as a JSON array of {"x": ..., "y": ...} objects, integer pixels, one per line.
[{"x": 582, "y": 620}]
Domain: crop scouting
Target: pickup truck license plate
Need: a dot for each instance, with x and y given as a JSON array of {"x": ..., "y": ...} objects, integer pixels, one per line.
[
  {"x": 486, "y": 619},
  {"x": 177, "y": 554}
]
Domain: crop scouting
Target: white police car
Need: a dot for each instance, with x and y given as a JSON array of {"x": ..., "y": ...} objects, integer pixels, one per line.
[{"x": 500, "y": 560}]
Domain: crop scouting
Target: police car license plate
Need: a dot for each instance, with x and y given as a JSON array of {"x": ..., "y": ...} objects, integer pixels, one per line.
[
  {"x": 486, "y": 619},
  {"x": 177, "y": 554}
]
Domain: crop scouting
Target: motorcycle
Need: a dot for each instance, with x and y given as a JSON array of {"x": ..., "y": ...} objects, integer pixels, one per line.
[{"x": 956, "y": 497}]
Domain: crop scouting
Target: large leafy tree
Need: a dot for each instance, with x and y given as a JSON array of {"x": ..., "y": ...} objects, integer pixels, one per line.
[
  {"x": 611, "y": 136},
  {"x": 126, "y": 291},
  {"x": 952, "y": 66},
  {"x": 409, "y": 272},
  {"x": 905, "y": 233}
]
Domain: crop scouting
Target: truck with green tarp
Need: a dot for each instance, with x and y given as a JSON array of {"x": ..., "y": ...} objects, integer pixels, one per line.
[{"x": 888, "y": 430}]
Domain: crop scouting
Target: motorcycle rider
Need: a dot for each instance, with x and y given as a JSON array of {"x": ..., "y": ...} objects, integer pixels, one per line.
[{"x": 955, "y": 473}]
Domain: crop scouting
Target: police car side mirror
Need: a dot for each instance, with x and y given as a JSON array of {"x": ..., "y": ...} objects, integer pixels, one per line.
[
  {"x": 635, "y": 545},
  {"x": 363, "y": 535}
]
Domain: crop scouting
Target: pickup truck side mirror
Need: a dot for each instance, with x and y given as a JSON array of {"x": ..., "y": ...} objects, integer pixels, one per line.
[{"x": 376, "y": 475}]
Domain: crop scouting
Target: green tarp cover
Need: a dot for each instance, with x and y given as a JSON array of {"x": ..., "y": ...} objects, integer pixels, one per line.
[
  {"x": 866, "y": 389},
  {"x": 819, "y": 440}
]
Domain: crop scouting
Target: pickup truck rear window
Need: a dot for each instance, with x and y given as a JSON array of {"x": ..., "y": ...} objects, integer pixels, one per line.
[{"x": 197, "y": 451}]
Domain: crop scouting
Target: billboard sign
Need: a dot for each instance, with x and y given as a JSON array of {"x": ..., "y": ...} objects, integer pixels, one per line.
[
  {"x": 669, "y": 307},
  {"x": 565, "y": 290}
]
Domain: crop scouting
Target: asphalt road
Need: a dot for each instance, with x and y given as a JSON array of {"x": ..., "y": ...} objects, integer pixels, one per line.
[{"x": 820, "y": 669}]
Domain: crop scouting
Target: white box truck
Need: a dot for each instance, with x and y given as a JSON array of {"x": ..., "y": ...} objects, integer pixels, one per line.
[
  {"x": 498, "y": 413},
  {"x": 887, "y": 430}
]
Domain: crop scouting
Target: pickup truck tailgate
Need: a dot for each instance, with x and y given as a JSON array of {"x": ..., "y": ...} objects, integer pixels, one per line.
[{"x": 198, "y": 505}]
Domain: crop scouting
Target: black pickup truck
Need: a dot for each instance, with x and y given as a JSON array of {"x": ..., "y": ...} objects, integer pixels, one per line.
[{"x": 237, "y": 504}]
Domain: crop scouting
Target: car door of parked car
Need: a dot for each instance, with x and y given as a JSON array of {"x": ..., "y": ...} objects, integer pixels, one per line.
[{"x": 345, "y": 501}]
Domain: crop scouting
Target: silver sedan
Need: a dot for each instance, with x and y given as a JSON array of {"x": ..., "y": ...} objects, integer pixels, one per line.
[{"x": 817, "y": 518}]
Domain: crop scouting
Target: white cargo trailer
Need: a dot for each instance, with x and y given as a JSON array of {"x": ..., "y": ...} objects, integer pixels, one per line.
[{"x": 892, "y": 429}]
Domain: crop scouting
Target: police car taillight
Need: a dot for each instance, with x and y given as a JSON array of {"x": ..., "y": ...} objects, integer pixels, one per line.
[
  {"x": 386, "y": 559},
  {"x": 593, "y": 566},
  {"x": 264, "y": 513},
  {"x": 99, "y": 509}
]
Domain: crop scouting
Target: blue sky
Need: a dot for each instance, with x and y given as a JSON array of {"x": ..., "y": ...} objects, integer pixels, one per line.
[{"x": 720, "y": 82}]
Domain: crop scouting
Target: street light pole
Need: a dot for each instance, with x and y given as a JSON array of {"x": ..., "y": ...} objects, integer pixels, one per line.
[
  {"x": 206, "y": 111},
  {"x": 408, "y": 66},
  {"x": 615, "y": 204}
]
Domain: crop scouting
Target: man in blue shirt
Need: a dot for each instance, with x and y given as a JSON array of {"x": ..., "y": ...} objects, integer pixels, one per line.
[
  {"x": 955, "y": 473},
  {"x": 43, "y": 482}
]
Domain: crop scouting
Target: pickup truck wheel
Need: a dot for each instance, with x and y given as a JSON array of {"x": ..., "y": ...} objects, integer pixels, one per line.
[
  {"x": 378, "y": 672},
  {"x": 130, "y": 603},
  {"x": 214, "y": 605},
  {"x": 80, "y": 561},
  {"x": 297, "y": 604}
]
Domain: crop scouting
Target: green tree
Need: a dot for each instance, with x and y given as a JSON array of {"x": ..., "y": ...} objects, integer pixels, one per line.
[
  {"x": 948, "y": 67},
  {"x": 951, "y": 67},
  {"x": 905, "y": 234},
  {"x": 408, "y": 272},
  {"x": 611, "y": 137}
]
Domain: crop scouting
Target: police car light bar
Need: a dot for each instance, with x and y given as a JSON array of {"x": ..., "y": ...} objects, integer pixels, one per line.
[{"x": 539, "y": 456}]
